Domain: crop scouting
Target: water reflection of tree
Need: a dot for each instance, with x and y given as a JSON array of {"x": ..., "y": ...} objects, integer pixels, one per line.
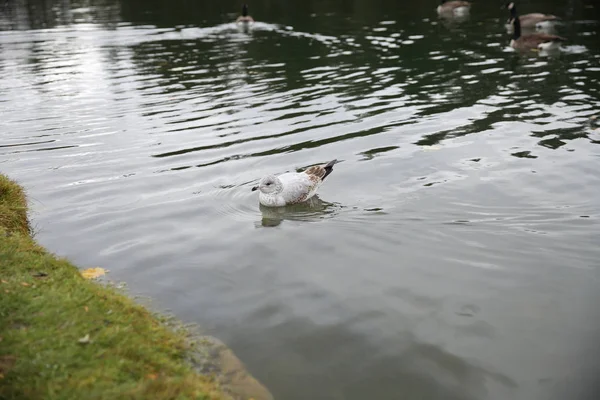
[
  {"x": 41, "y": 14},
  {"x": 228, "y": 60},
  {"x": 26, "y": 14}
]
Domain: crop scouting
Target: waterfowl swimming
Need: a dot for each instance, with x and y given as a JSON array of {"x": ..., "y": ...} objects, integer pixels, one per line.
[
  {"x": 531, "y": 21},
  {"x": 245, "y": 17},
  {"x": 594, "y": 122},
  {"x": 292, "y": 187},
  {"x": 539, "y": 41},
  {"x": 455, "y": 7}
]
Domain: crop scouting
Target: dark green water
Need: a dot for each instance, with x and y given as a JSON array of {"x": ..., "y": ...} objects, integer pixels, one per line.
[{"x": 453, "y": 253}]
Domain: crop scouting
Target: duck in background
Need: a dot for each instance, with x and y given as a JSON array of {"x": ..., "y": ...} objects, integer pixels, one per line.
[
  {"x": 533, "y": 41},
  {"x": 453, "y": 8},
  {"x": 531, "y": 21},
  {"x": 244, "y": 18}
]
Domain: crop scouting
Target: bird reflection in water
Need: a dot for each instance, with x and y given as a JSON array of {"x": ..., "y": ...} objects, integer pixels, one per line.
[{"x": 312, "y": 210}]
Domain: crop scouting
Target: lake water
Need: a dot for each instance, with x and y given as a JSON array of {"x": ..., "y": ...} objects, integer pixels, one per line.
[{"x": 452, "y": 254}]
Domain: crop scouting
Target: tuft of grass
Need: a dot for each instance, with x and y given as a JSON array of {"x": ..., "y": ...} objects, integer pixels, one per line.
[
  {"x": 13, "y": 207},
  {"x": 63, "y": 337}
]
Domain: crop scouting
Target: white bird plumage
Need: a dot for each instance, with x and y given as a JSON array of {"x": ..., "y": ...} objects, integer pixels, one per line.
[{"x": 292, "y": 187}]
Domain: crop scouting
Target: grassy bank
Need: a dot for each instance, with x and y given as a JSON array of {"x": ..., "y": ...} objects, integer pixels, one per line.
[{"x": 64, "y": 337}]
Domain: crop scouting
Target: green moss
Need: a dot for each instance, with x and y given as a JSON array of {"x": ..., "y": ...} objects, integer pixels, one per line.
[{"x": 46, "y": 307}]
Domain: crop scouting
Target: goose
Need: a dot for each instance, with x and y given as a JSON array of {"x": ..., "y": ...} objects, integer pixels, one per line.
[
  {"x": 537, "y": 21},
  {"x": 539, "y": 41},
  {"x": 455, "y": 7},
  {"x": 245, "y": 18},
  {"x": 292, "y": 187}
]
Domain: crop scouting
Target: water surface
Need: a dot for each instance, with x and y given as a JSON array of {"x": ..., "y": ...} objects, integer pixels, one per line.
[{"x": 452, "y": 254}]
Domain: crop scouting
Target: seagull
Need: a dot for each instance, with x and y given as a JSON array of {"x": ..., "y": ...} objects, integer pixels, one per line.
[{"x": 292, "y": 187}]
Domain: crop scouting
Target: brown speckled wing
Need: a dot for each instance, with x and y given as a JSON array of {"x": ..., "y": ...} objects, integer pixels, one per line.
[{"x": 315, "y": 173}]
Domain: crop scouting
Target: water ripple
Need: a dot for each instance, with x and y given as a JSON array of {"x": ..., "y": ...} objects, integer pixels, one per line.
[{"x": 465, "y": 204}]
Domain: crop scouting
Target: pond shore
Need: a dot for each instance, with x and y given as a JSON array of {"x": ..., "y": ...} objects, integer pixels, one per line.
[{"x": 65, "y": 337}]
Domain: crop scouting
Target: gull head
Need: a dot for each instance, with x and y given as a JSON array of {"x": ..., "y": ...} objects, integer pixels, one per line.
[{"x": 269, "y": 185}]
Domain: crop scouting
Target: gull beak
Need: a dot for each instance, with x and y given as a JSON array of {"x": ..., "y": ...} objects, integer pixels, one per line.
[{"x": 255, "y": 188}]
